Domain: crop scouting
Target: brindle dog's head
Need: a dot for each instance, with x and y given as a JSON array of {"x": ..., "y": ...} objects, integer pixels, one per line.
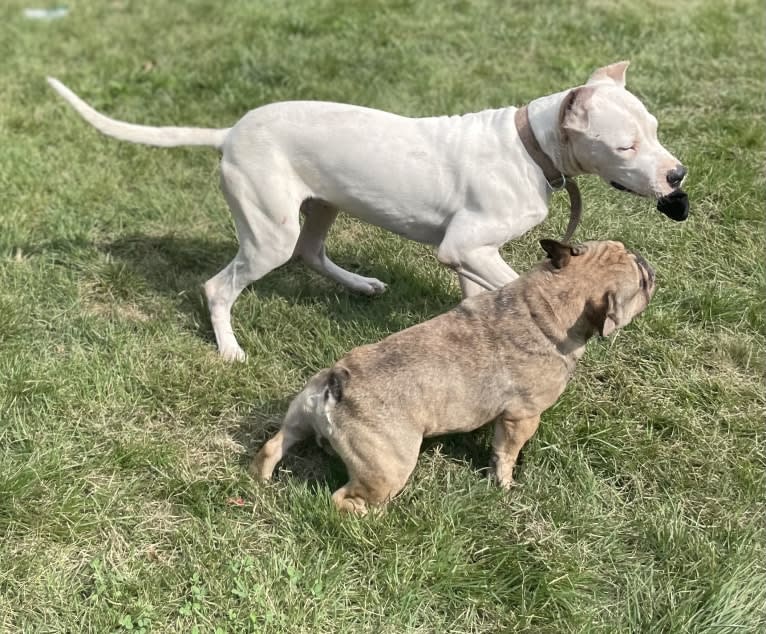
[{"x": 615, "y": 282}]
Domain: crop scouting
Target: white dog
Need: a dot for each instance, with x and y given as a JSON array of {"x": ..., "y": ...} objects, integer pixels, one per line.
[{"x": 463, "y": 183}]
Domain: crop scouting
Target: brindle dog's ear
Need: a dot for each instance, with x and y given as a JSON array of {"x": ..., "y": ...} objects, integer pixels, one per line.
[
  {"x": 560, "y": 253},
  {"x": 614, "y": 317}
]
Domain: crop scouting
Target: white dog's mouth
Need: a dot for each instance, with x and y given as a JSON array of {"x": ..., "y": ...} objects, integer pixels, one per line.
[
  {"x": 622, "y": 187},
  {"x": 675, "y": 205}
]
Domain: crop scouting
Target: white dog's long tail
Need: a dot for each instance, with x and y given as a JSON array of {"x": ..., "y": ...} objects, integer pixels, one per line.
[{"x": 148, "y": 135}]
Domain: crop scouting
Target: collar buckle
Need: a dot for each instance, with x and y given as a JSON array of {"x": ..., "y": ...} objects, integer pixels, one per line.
[{"x": 558, "y": 183}]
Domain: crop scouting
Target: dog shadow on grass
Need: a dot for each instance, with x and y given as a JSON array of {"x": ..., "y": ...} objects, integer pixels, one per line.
[{"x": 175, "y": 267}]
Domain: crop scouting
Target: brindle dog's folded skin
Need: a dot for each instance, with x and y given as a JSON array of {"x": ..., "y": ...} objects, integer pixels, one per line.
[{"x": 505, "y": 355}]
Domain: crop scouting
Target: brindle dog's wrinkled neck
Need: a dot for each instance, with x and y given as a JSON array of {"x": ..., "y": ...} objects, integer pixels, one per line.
[{"x": 573, "y": 319}]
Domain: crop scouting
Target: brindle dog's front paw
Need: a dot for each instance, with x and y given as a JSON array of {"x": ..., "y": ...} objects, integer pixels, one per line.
[{"x": 502, "y": 471}]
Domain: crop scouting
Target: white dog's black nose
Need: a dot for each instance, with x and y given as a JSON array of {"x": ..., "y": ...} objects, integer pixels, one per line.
[{"x": 676, "y": 176}]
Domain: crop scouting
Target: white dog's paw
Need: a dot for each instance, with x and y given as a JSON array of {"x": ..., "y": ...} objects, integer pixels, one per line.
[
  {"x": 232, "y": 352},
  {"x": 371, "y": 286}
]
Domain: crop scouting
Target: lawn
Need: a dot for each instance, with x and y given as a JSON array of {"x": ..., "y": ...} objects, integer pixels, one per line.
[{"x": 125, "y": 504}]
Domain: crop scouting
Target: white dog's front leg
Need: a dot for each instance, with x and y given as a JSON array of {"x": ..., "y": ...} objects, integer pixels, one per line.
[
  {"x": 471, "y": 248},
  {"x": 469, "y": 288},
  {"x": 479, "y": 269}
]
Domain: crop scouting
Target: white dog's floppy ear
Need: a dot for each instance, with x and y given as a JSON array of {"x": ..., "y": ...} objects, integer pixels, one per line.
[
  {"x": 614, "y": 317},
  {"x": 614, "y": 73},
  {"x": 574, "y": 111},
  {"x": 561, "y": 253}
]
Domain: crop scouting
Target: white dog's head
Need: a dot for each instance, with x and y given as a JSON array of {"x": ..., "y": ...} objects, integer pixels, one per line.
[{"x": 609, "y": 132}]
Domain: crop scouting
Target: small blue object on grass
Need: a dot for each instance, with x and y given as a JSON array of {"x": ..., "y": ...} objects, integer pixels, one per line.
[{"x": 46, "y": 14}]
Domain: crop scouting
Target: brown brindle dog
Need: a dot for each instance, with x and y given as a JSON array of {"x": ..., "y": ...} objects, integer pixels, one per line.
[{"x": 505, "y": 355}]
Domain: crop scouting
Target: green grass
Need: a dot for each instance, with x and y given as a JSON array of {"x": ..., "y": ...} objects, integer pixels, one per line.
[{"x": 123, "y": 438}]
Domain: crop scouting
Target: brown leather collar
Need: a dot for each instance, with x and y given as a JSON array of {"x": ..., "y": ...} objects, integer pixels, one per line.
[{"x": 555, "y": 179}]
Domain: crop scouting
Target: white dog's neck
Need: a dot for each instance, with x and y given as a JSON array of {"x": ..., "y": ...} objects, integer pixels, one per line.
[{"x": 544, "y": 119}]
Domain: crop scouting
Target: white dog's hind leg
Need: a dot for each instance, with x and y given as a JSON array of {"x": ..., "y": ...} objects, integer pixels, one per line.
[
  {"x": 319, "y": 218},
  {"x": 222, "y": 291},
  {"x": 264, "y": 244}
]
